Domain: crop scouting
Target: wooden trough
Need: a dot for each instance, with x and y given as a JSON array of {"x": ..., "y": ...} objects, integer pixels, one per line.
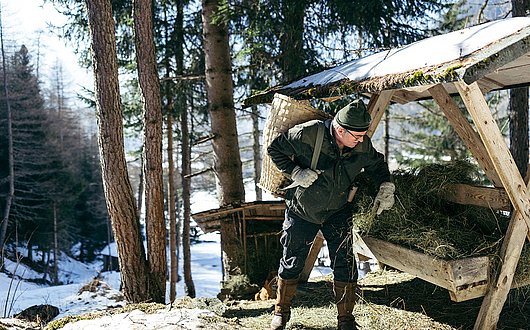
[{"x": 488, "y": 57}]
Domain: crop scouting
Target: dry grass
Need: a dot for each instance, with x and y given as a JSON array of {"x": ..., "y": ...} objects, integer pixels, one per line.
[
  {"x": 423, "y": 221},
  {"x": 389, "y": 300}
]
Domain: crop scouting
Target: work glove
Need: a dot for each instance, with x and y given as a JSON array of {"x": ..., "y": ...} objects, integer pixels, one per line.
[
  {"x": 385, "y": 197},
  {"x": 303, "y": 177}
]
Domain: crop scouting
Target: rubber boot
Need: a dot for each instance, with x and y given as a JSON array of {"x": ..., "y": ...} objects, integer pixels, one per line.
[
  {"x": 345, "y": 298},
  {"x": 282, "y": 309}
]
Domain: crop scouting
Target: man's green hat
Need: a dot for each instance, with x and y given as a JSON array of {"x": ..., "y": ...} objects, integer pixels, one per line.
[{"x": 354, "y": 116}]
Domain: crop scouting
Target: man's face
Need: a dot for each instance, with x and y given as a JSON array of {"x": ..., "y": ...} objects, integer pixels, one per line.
[{"x": 350, "y": 139}]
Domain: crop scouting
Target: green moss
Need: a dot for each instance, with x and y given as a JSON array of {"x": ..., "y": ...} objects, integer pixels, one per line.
[
  {"x": 148, "y": 308},
  {"x": 417, "y": 78},
  {"x": 60, "y": 323},
  {"x": 451, "y": 72},
  {"x": 347, "y": 88},
  {"x": 486, "y": 62}
]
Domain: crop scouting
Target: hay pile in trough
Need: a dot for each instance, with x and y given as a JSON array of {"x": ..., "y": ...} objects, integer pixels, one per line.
[{"x": 422, "y": 220}]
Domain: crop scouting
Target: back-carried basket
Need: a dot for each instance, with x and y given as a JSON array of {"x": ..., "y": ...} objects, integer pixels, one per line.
[{"x": 285, "y": 113}]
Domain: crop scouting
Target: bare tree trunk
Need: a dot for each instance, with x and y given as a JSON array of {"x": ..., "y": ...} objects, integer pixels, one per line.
[
  {"x": 178, "y": 233},
  {"x": 227, "y": 164},
  {"x": 518, "y": 109},
  {"x": 154, "y": 196},
  {"x": 180, "y": 107},
  {"x": 172, "y": 212},
  {"x": 118, "y": 190},
  {"x": 141, "y": 184},
  {"x": 186, "y": 190},
  {"x": 55, "y": 247},
  {"x": 11, "y": 193},
  {"x": 169, "y": 92},
  {"x": 256, "y": 148}
]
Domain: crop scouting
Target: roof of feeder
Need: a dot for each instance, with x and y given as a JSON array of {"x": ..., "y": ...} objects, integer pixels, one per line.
[{"x": 494, "y": 54}]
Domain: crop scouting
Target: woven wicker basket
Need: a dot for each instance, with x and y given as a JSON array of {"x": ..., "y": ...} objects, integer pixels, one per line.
[{"x": 284, "y": 114}]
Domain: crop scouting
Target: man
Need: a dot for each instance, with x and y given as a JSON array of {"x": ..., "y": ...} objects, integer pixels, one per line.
[{"x": 320, "y": 202}]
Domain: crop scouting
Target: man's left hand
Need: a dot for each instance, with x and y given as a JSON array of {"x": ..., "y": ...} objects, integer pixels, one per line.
[{"x": 385, "y": 197}]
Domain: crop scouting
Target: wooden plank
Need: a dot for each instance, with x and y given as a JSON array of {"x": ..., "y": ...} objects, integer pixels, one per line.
[
  {"x": 312, "y": 257},
  {"x": 493, "y": 198},
  {"x": 466, "y": 132},
  {"x": 469, "y": 292},
  {"x": 377, "y": 107},
  {"x": 469, "y": 271},
  {"x": 265, "y": 217},
  {"x": 464, "y": 279},
  {"x": 359, "y": 246},
  {"x": 497, "y": 293},
  {"x": 439, "y": 272},
  {"x": 518, "y": 193},
  {"x": 499, "y": 153}
]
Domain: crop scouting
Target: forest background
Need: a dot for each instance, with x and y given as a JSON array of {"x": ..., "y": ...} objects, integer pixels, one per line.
[{"x": 171, "y": 75}]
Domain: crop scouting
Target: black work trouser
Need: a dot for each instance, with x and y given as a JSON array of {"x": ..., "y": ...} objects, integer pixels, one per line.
[{"x": 298, "y": 235}]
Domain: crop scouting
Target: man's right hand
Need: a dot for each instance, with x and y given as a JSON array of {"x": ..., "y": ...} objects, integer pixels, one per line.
[{"x": 304, "y": 176}]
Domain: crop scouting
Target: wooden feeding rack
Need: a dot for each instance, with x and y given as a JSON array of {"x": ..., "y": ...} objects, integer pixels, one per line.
[
  {"x": 488, "y": 57},
  {"x": 464, "y": 278}
]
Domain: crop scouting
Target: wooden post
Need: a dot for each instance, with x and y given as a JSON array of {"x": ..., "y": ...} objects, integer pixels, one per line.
[
  {"x": 311, "y": 257},
  {"x": 377, "y": 107},
  {"x": 497, "y": 293},
  {"x": 517, "y": 191},
  {"x": 498, "y": 151}
]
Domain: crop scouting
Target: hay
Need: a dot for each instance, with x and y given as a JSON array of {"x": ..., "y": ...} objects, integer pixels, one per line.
[{"x": 423, "y": 221}]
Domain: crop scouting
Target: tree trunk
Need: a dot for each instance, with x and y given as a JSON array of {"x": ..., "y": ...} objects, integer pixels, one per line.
[
  {"x": 11, "y": 178},
  {"x": 227, "y": 163},
  {"x": 118, "y": 191},
  {"x": 140, "y": 195},
  {"x": 292, "y": 61},
  {"x": 172, "y": 212},
  {"x": 154, "y": 196},
  {"x": 518, "y": 110},
  {"x": 256, "y": 148},
  {"x": 55, "y": 247},
  {"x": 186, "y": 191}
]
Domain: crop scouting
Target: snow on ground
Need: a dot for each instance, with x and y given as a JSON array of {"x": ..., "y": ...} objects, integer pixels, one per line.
[
  {"x": 181, "y": 318},
  {"x": 17, "y": 295}
]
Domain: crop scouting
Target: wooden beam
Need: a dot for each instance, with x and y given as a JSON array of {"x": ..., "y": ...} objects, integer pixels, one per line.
[
  {"x": 500, "y": 155},
  {"x": 493, "y": 198},
  {"x": 518, "y": 193},
  {"x": 265, "y": 217},
  {"x": 497, "y": 293},
  {"x": 377, "y": 107},
  {"x": 454, "y": 275},
  {"x": 311, "y": 257},
  {"x": 466, "y": 132}
]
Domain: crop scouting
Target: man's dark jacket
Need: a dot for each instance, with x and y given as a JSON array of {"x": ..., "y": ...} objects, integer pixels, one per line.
[{"x": 329, "y": 193}]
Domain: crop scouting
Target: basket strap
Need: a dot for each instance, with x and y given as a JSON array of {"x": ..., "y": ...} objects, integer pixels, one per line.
[{"x": 318, "y": 146}]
